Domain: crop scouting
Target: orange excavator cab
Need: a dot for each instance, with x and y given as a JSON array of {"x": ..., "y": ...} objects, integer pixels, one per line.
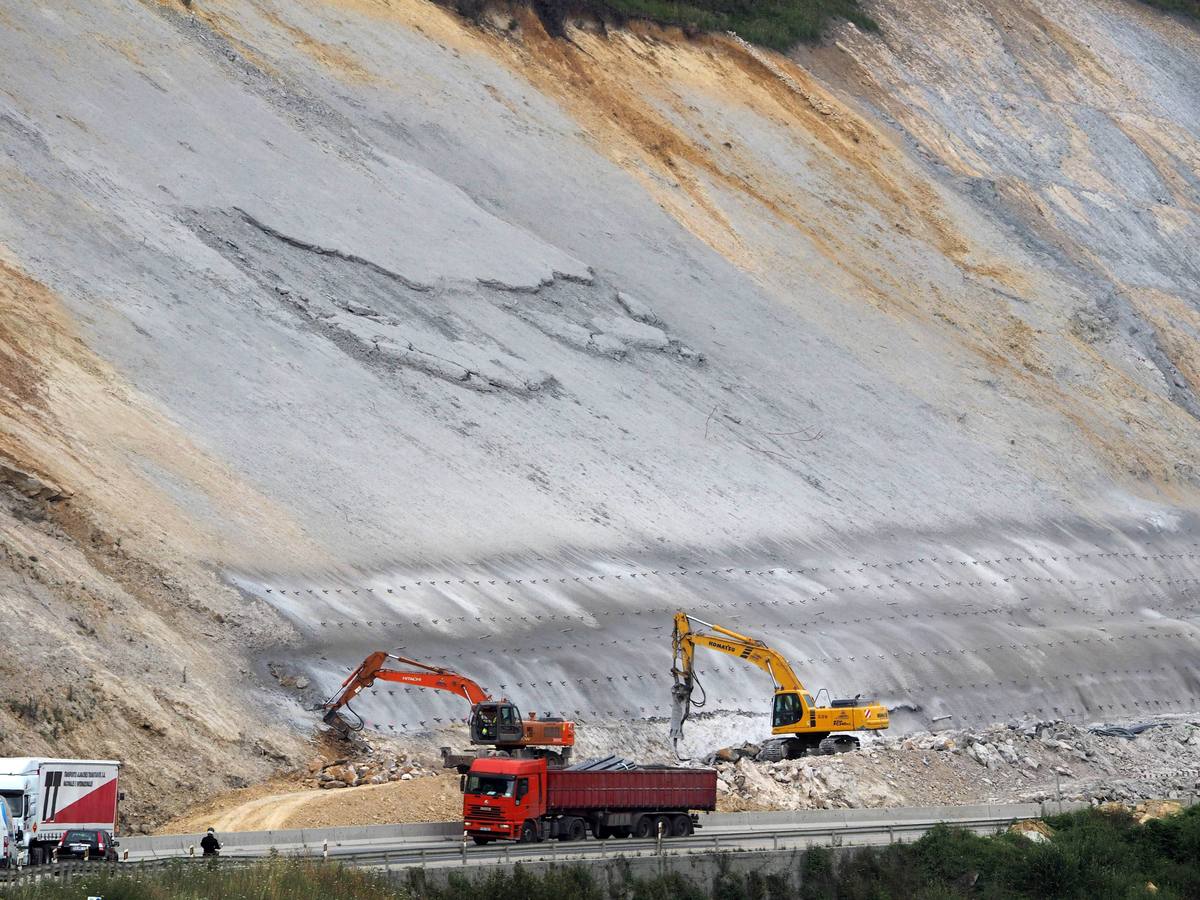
[{"x": 500, "y": 724}]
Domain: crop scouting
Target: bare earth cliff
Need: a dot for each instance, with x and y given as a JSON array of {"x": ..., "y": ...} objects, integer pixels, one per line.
[{"x": 335, "y": 325}]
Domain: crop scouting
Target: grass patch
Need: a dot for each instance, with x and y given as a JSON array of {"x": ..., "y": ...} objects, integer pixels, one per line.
[{"x": 279, "y": 879}]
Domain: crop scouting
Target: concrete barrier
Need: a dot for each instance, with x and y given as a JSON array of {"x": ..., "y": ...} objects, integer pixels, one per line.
[
  {"x": 177, "y": 844},
  {"x": 614, "y": 874},
  {"x": 769, "y": 820}
]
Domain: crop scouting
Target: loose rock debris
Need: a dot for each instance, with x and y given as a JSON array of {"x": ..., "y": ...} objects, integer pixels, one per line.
[{"x": 1000, "y": 764}]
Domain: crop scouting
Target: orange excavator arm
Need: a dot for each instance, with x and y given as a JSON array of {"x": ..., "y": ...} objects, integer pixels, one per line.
[{"x": 373, "y": 669}]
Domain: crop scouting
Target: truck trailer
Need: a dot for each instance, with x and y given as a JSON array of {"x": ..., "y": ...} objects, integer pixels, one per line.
[
  {"x": 525, "y": 800},
  {"x": 46, "y": 797}
]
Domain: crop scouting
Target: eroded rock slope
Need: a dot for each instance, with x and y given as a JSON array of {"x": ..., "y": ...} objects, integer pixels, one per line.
[{"x": 338, "y": 324}]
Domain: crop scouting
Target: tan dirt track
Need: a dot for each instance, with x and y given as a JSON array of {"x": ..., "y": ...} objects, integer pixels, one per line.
[{"x": 432, "y": 798}]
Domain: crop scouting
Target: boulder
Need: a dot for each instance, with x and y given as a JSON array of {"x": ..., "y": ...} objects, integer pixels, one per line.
[
  {"x": 1156, "y": 809},
  {"x": 984, "y": 754},
  {"x": 1034, "y": 830},
  {"x": 1008, "y": 752}
]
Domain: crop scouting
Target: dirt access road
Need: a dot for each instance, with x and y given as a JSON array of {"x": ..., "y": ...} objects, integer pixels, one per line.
[{"x": 431, "y": 798}]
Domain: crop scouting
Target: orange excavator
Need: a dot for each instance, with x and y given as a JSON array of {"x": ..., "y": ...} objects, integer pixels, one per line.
[{"x": 494, "y": 723}]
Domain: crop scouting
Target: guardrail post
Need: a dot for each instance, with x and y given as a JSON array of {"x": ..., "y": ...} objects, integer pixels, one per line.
[
  {"x": 124, "y": 856},
  {"x": 658, "y": 837},
  {"x": 775, "y": 840},
  {"x": 464, "y": 847},
  {"x": 325, "y": 849},
  {"x": 891, "y": 834},
  {"x": 192, "y": 851}
]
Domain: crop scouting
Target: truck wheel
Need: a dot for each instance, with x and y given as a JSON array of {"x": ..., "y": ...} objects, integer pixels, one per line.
[
  {"x": 529, "y": 834},
  {"x": 644, "y": 827},
  {"x": 576, "y": 830},
  {"x": 681, "y": 826}
]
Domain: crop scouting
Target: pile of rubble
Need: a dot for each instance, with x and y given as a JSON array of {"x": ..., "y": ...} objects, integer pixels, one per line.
[
  {"x": 1000, "y": 764},
  {"x": 343, "y": 773}
]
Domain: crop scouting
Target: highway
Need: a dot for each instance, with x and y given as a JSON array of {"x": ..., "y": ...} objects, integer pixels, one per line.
[{"x": 441, "y": 844}]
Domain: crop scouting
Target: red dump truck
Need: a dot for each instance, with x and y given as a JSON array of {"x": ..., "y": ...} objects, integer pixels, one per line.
[{"x": 523, "y": 800}]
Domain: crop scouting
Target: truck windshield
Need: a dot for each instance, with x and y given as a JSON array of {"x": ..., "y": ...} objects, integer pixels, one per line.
[
  {"x": 16, "y": 803},
  {"x": 490, "y": 785}
]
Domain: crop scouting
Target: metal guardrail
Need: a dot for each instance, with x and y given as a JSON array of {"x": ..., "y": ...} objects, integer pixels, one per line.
[{"x": 464, "y": 854}]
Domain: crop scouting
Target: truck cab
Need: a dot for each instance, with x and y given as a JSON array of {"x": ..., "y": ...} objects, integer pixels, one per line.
[{"x": 502, "y": 796}]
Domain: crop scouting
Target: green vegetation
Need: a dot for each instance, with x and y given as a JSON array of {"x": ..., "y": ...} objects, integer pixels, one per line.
[
  {"x": 1092, "y": 855},
  {"x": 1190, "y": 7},
  {"x": 277, "y": 879},
  {"x": 779, "y": 24}
]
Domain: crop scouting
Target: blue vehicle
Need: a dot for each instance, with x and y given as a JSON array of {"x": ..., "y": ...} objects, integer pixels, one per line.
[{"x": 8, "y": 838}]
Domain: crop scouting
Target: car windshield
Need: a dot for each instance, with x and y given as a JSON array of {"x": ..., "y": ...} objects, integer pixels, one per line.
[
  {"x": 77, "y": 837},
  {"x": 490, "y": 785}
]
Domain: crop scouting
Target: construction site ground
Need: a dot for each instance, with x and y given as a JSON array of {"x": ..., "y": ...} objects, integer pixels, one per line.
[{"x": 1001, "y": 764}]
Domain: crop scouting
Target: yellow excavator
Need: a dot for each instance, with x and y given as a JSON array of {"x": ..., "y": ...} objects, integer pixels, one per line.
[{"x": 805, "y": 727}]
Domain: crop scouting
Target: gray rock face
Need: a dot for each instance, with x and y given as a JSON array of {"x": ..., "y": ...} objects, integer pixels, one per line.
[{"x": 886, "y": 353}]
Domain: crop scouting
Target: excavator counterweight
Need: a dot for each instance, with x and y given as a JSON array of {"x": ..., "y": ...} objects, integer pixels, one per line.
[{"x": 804, "y": 726}]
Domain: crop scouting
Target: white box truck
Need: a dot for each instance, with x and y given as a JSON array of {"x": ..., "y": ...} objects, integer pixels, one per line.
[{"x": 46, "y": 797}]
